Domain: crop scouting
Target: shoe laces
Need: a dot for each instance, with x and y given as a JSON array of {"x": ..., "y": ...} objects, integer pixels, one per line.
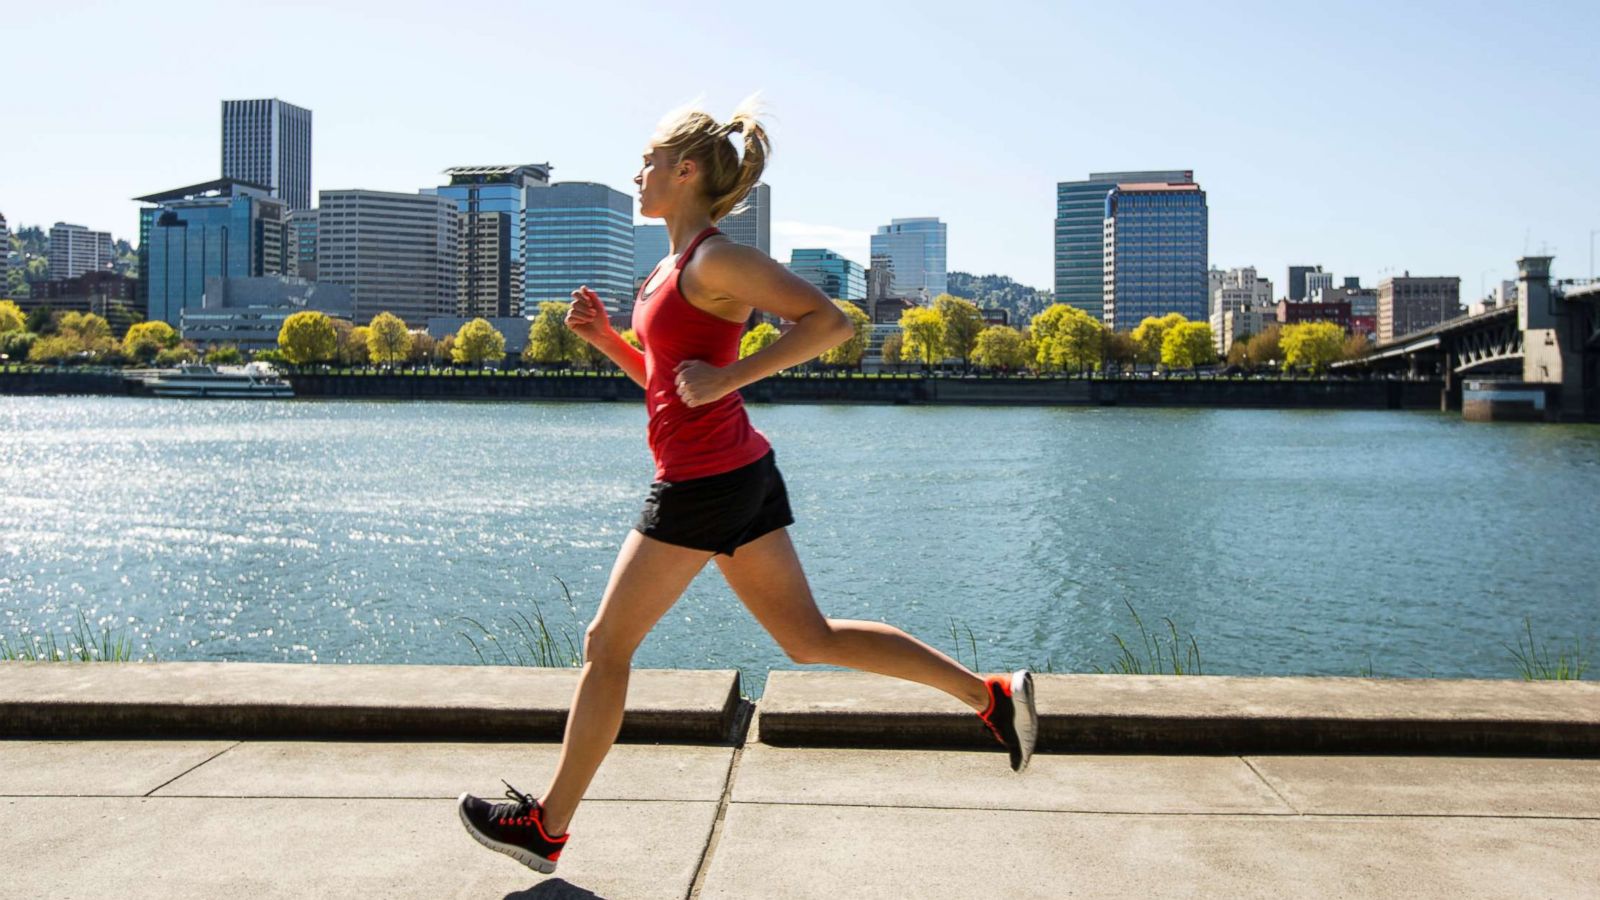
[{"x": 517, "y": 811}]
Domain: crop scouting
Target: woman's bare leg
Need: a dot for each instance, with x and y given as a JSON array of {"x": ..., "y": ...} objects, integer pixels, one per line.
[
  {"x": 767, "y": 577},
  {"x": 647, "y": 579}
]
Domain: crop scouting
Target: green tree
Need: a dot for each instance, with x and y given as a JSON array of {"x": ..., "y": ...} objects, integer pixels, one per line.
[
  {"x": 1120, "y": 350},
  {"x": 388, "y": 340},
  {"x": 307, "y": 337},
  {"x": 1001, "y": 347},
  {"x": 962, "y": 322},
  {"x": 922, "y": 335},
  {"x": 11, "y": 317},
  {"x": 15, "y": 345},
  {"x": 757, "y": 339},
  {"x": 1312, "y": 345},
  {"x": 55, "y": 348},
  {"x": 477, "y": 343},
  {"x": 41, "y": 320},
  {"x": 850, "y": 352},
  {"x": 632, "y": 339},
  {"x": 422, "y": 347},
  {"x": 1238, "y": 353},
  {"x": 1355, "y": 347},
  {"x": 225, "y": 355},
  {"x": 172, "y": 356},
  {"x": 87, "y": 328},
  {"x": 1066, "y": 337},
  {"x": 1264, "y": 349},
  {"x": 356, "y": 350},
  {"x": 549, "y": 338},
  {"x": 1188, "y": 345},
  {"x": 891, "y": 352},
  {"x": 1151, "y": 334},
  {"x": 144, "y": 340}
]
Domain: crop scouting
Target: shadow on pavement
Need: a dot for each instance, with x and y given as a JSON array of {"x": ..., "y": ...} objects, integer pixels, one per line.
[{"x": 554, "y": 889}]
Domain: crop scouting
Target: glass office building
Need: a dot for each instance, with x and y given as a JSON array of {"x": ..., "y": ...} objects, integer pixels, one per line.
[
  {"x": 578, "y": 233},
  {"x": 492, "y": 200},
  {"x": 650, "y": 246},
  {"x": 839, "y": 278},
  {"x": 1080, "y": 233},
  {"x": 1156, "y": 251},
  {"x": 750, "y": 223},
  {"x": 220, "y": 229},
  {"x": 914, "y": 249}
]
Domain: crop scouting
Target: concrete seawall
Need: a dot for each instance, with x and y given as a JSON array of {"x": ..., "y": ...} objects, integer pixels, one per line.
[
  {"x": 1078, "y": 713},
  {"x": 1265, "y": 394},
  {"x": 914, "y": 390}
]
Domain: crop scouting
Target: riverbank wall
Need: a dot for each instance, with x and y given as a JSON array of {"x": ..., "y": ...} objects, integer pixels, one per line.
[{"x": 802, "y": 388}]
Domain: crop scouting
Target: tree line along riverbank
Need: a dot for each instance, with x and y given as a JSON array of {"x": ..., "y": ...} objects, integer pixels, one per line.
[{"x": 814, "y": 387}]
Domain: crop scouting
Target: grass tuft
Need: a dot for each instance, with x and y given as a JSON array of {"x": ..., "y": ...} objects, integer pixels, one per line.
[
  {"x": 81, "y": 644},
  {"x": 1161, "y": 655},
  {"x": 1534, "y": 662},
  {"x": 530, "y": 641}
]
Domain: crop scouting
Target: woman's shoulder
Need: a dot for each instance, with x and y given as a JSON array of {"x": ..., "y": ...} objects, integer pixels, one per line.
[{"x": 719, "y": 263}]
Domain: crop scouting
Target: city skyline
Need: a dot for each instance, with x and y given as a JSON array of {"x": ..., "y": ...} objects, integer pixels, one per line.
[{"x": 1375, "y": 191}]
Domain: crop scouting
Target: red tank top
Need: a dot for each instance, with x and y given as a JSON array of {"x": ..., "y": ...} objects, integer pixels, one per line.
[{"x": 690, "y": 442}]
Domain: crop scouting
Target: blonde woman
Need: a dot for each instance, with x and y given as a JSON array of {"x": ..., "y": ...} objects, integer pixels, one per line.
[{"x": 717, "y": 494}]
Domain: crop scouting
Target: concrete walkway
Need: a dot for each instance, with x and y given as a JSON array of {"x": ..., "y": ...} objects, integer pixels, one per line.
[
  {"x": 190, "y": 780},
  {"x": 194, "y": 818}
]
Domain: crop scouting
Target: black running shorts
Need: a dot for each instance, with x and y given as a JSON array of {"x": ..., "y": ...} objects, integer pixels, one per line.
[{"x": 721, "y": 512}]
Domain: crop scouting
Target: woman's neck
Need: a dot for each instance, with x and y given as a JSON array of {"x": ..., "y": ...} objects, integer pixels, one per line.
[{"x": 683, "y": 227}]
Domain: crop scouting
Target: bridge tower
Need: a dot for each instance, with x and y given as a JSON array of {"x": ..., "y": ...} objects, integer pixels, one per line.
[{"x": 1551, "y": 345}]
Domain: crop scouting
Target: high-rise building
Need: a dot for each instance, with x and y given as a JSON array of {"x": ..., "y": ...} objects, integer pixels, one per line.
[
  {"x": 578, "y": 233},
  {"x": 75, "y": 250},
  {"x": 492, "y": 200},
  {"x": 398, "y": 253},
  {"x": 914, "y": 251},
  {"x": 1156, "y": 247},
  {"x": 839, "y": 278},
  {"x": 225, "y": 229},
  {"x": 269, "y": 142},
  {"x": 750, "y": 223},
  {"x": 1297, "y": 281},
  {"x": 1407, "y": 304},
  {"x": 5, "y": 258},
  {"x": 650, "y": 246},
  {"x": 1235, "y": 291},
  {"x": 1080, "y": 233},
  {"x": 302, "y": 244},
  {"x": 1317, "y": 281}
]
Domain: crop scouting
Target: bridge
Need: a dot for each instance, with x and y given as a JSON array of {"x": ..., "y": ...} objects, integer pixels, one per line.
[{"x": 1538, "y": 358}]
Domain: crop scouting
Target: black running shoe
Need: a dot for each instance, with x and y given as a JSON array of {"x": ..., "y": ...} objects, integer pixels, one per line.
[
  {"x": 1011, "y": 716},
  {"x": 515, "y": 829}
]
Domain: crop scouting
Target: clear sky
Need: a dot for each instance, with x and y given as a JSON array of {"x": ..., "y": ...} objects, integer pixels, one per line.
[{"x": 1371, "y": 137}]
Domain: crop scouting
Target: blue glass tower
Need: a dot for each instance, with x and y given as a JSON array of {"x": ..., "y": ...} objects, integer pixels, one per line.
[
  {"x": 914, "y": 250},
  {"x": 578, "y": 233},
  {"x": 225, "y": 228},
  {"x": 839, "y": 278},
  {"x": 1156, "y": 250},
  {"x": 1080, "y": 233},
  {"x": 650, "y": 246}
]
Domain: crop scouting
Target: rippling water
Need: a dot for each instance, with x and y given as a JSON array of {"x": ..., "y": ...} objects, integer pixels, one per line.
[{"x": 1286, "y": 541}]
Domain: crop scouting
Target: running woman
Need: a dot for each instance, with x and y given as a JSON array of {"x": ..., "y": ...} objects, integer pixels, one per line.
[{"x": 717, "y": 494}]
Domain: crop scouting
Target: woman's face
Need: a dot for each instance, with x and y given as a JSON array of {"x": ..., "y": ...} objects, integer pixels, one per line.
[
  {"x": 655, "y": 183},
  {"x": 662, "y": 182}
]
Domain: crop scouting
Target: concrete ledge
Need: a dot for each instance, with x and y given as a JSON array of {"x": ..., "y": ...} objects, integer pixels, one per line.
[
  {"x": 1201, "y": 714},
  {"x": 289, "y": 701}
]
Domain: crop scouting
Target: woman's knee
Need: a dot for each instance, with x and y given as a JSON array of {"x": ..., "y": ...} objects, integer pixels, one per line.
[
  {"x": 813, "y": 648},
  {"x": 606, "y": 647}
]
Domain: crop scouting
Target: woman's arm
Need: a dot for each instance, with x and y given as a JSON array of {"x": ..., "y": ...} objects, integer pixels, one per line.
[
  {"x": 588, "y": 320},
  {"x": 738, "y": 277}
]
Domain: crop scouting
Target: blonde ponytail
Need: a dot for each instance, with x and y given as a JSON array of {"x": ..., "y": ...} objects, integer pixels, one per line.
[{"x": 728, "y": 177}]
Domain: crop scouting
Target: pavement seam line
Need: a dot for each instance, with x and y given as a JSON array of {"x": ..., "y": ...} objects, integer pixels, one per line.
[
  {"x": 1509, "y": 817},
  {"x": 742, "y": 730},
  {"x": 1271, "y": 787},
  {"x": 193, "y": 767}
]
